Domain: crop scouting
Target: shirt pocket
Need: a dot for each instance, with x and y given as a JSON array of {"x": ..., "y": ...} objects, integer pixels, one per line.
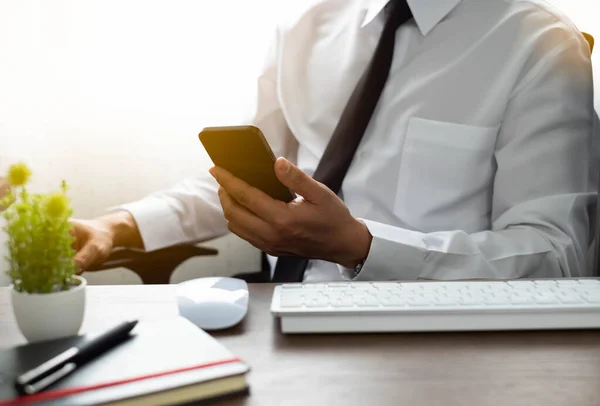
[{"x": 446, "y": 173}]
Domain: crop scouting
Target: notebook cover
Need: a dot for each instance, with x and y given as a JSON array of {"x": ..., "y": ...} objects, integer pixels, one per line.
[{"x": 159, "y": 356}]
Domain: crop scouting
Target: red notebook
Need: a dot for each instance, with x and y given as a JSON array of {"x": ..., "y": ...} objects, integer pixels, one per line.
[{"x": 164, "y": 362}]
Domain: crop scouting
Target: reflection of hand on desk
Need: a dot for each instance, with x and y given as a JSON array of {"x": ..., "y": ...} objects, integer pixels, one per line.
[{"x": 378, "y": 369}]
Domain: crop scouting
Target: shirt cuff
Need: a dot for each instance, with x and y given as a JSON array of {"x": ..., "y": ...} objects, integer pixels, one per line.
[
  {"x": 157, "y": 222},
  {"x": 395, "y": 254}
]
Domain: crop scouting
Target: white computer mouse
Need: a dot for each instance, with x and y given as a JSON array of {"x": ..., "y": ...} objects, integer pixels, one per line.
[{"x": 213, "y": 303}]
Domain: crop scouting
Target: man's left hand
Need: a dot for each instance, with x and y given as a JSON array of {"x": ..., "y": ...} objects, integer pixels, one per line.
[
  {"x": 317, "y": 224},
  {"x": 4, "y": 189}
]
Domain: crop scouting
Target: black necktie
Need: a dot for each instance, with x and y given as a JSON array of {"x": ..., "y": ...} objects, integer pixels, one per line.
[{"x": 352, "y": 124}]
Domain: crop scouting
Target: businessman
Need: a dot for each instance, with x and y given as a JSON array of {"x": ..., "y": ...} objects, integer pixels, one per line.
[{"x": 437, "y": 139}]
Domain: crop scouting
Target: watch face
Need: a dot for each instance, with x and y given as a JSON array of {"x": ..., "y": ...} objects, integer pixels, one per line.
[{"x": 357, "y": 270}]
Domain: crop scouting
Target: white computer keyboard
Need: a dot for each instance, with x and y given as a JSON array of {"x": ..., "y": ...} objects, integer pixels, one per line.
[{"x": 437, "y": 306}]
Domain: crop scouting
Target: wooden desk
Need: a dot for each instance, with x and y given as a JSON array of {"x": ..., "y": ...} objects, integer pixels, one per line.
[{"x": 519, "y": 368}]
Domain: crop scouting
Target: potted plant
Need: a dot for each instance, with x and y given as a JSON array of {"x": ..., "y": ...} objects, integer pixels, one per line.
[{"x": 47, "y": 296}]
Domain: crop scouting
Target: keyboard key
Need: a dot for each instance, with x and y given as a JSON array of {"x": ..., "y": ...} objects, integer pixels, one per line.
[
  {"x": 292, "y": 296},
  {"x": 317, "y": 302},
  {"x": 342, "y": 302},
  {"x": 335, "y": 295},
  {"x": 287, "y": 286},
  {"x": 356, "y": 300},
  {"x": 469, "y": 301},
  {"x": 592, "y": 298},
  {"x": 491, "y": 285},
  {"x": 392, "y": 301},
  {"x": 389, "y": 286},
  {"x": 521, "y": 300},
  {"x": 338, "y": 285},
  {"x": 568, "y": 291},
  {"x": 431, "y": 287},
  {"x": 456, "y": 292},
  {"x": 545, "y": 283},
  {"x": 517, "y": 283},
  {"x": 585, "y": 291},
  {"x": 367, "y": 302},
  {"x": 419, "y": 301},
  {"x": 444, "y": 301},
  {"x": 291, "y": 302},
  {"x": 568, "y": 282},
  {"x": 493, "y": 300},
  {"x": 546, "y": 299},
  {"x": 570, "y": 299},
  {"x": 521, "y": 292},
  {"x": 407, "y": 297},
  {"x": 363, "y": 287}
]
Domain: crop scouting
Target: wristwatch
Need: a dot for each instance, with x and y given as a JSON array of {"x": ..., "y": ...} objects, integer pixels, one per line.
[{"x": 358, "y": 269}]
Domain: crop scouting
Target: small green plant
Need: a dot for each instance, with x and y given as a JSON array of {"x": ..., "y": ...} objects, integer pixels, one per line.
[{"x": 40, "y": 253}]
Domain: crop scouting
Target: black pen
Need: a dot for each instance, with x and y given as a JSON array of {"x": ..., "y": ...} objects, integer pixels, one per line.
[{"x": 68, "y": 361}]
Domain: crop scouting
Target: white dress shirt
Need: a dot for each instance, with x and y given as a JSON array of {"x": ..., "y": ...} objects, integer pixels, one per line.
[{"x": 476, "y": 161}]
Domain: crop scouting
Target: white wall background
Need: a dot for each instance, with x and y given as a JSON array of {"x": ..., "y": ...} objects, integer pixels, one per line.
[{"x": 111, "y": 94}]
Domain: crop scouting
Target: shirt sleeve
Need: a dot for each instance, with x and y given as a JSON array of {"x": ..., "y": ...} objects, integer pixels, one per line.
[
  {"x": 190, "y": 210},
  {"x": 543, "y": 191}
]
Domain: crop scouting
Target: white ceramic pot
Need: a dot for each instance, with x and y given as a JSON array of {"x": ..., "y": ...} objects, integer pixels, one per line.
[{"x": 47, "y": 316}]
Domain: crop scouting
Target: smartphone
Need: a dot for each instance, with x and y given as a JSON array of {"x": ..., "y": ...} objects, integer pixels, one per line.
[{"x": 245, "y": 153}]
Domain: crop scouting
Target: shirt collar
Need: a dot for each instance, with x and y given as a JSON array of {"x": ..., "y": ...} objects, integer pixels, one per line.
[{"x": 427, "y": 13}]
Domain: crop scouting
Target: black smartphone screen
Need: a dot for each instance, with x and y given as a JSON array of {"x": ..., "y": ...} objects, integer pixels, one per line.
[{"x": 244, "y": 151}]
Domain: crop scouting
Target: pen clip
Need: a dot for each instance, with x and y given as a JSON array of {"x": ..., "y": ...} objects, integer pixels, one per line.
[
  {"x": 46, "y": 367},
  {"x": 50, "y": 379}
]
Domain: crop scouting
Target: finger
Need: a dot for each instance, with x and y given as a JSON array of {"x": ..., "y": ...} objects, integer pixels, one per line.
[
  {"x": 244, "y": 234},
  {"x": 250, "y": 197},
  {"x": 86, "y": 257},
  {"x": 76, "y": 245},
  {"x": 299, "y": 182},
  {"x": 241, "y": 218}
]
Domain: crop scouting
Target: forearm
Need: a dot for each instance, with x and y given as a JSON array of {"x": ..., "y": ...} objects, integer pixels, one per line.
[{"x": 528, "y": 244}]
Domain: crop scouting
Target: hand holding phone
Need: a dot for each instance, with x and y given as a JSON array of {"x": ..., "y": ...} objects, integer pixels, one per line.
[{"x": 245, "y": 153}]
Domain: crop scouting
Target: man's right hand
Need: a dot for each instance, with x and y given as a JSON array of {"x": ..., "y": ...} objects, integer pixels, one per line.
[{"x": 95, "y": 239}]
